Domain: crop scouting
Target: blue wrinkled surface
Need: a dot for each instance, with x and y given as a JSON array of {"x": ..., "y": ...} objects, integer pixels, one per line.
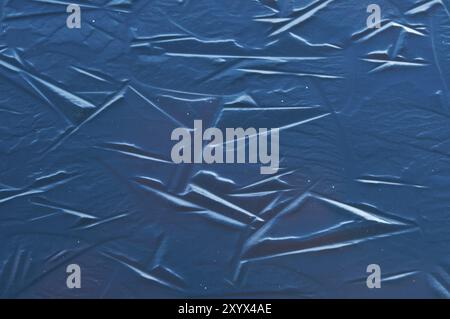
[{"x": 85, "y": 170}]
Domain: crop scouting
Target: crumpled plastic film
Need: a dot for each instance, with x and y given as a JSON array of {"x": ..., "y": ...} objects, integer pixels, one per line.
[{"x": 86, "y": 175}]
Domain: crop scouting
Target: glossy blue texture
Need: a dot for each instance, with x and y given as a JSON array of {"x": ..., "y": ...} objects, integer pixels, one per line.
[{"x": 86, "y": 175}]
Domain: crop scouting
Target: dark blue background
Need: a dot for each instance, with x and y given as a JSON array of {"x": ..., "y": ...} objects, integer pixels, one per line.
[{"x": 85, "y": 172}]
